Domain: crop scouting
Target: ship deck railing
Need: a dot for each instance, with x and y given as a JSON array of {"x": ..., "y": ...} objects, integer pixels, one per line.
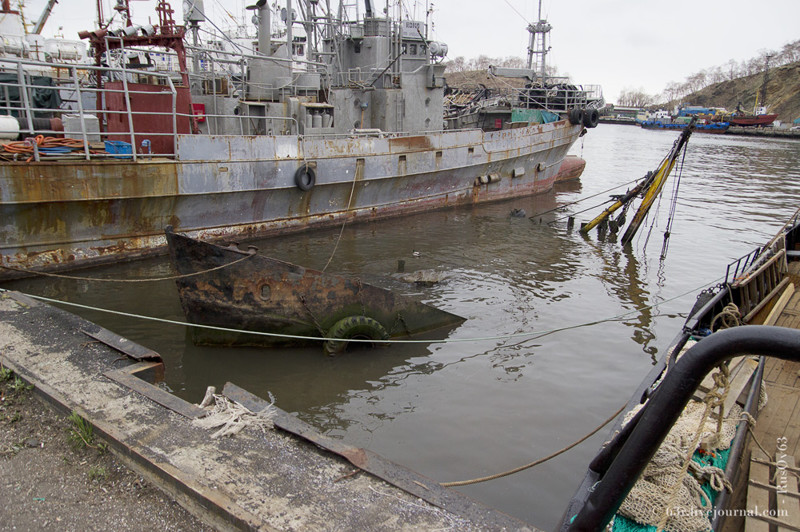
[
  {"x": 558, "y": 98},
  {"x": 75, "y": 87},
  {"x": 84, "y": 120}
]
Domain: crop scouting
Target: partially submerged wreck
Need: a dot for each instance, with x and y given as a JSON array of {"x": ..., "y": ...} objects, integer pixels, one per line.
[{"x": 287, "y": 304}]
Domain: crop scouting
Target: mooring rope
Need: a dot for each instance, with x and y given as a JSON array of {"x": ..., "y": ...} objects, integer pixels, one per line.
[
  {"x": 535, "y": 462},
  {"x": 344, "y": 222},
  {"x": 587, "y": 198},
  {"x": 143, "y": 280}
]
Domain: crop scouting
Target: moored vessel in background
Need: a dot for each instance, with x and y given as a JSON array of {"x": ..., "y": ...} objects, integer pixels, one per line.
[
  {"x": 761, "y": 120},
  {"x": 247, "y": 145}
]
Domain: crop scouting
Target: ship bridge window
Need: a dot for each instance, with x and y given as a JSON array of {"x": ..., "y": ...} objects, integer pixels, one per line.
[{"x": 413, "y": 49}]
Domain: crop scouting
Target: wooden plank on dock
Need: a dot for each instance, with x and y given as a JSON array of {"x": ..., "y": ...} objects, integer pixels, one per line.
[
  {"x": 788, "y": 506},
  {"x": 777, "y": 310},
  {"x": 757, "y": 497}
]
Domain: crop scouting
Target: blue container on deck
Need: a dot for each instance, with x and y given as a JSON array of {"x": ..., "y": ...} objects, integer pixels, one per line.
[{"x": 119, "y": 147}]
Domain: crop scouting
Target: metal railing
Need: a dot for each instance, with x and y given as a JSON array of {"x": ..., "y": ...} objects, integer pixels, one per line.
[{"x": 83, "y": 112}]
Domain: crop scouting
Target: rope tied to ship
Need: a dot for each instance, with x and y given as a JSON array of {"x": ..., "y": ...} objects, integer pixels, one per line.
[
  {"x": 143, "y": 280},
  {"x": 730, "y": 316},
  {"x": 528, "y": 335},
  {"x": 536, "y": 462}
]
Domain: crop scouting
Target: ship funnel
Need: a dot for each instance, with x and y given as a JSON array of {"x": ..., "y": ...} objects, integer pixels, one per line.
[{"x": 264, "y": 27}]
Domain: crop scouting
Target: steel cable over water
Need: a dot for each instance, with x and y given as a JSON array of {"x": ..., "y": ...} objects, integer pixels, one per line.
[
  {"x": 530, "y": 335},
  {"x": 535, "y": 462}
]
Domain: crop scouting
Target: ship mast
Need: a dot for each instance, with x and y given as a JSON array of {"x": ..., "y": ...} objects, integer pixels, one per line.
[
  {"x": 537, "y": 45},
  {"x": 762, "y": 97}
]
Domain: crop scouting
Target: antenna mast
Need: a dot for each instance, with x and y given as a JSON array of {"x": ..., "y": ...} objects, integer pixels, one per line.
[{"x": 537, "y": 45}]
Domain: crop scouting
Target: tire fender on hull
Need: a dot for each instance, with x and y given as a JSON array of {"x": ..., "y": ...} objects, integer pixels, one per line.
[
  {"x": 305, "y": 177},
  {"x": 575, "y": 116},
  {"x": 590, "y": 118},
  {"x": 361, "y": 327}
]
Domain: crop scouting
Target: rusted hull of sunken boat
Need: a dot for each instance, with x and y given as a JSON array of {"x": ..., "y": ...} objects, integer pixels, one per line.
[
  {"x": 258, "y": 293},
  {"x": 678, "y": 388}
]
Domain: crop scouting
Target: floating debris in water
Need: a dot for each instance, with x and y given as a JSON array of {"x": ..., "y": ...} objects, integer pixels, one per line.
[{"x": 424, "y": 277}]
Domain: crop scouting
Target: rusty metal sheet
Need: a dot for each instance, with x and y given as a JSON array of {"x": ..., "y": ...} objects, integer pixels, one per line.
[
  {"x": 123, "y": 345},
  {"x": 127, "y": 378},
  {"x": 247, "y": 291},
  {"x": 366, "y": 460}
]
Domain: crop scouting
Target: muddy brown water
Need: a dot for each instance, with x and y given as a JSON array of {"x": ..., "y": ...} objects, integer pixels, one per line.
[{"x": 523, "y": 376}]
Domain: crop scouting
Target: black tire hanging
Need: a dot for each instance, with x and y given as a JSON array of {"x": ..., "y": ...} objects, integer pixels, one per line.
[
  {"x": 590, "y": 118},
  {"x": 575, "y": 116},
  {"x": 361, "y": 327},
  {"x": 305, "y": 177}
]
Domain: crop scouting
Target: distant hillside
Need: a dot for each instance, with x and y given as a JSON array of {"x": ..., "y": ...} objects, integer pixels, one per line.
[{"x": 783, "y": 93}]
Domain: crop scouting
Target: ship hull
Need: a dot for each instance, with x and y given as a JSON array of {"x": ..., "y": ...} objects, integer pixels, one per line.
[
  {"x": 757, "y": 121},
  {"x": 67, "y": 214}
]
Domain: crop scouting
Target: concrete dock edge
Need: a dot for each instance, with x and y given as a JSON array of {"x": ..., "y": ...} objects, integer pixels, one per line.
[{"x": 252, "y": 481}]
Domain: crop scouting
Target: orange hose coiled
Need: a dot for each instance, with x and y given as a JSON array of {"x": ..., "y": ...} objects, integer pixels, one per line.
[{"x": 42, "y": 142}]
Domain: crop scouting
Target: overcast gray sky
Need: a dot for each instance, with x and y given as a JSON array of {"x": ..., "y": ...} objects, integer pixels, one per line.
[{"x": 619, "y": 44}]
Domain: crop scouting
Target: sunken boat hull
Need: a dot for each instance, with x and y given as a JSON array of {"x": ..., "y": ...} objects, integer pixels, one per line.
[{"x": 291, "y": 304}]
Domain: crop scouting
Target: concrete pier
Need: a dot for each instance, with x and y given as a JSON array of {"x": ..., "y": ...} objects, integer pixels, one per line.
[{"x": 286, "y": 478}]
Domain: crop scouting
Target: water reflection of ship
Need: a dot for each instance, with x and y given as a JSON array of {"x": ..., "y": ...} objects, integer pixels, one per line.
[
  {"x": 625, "y": 283},
  {"x": 300, "y": 379}
]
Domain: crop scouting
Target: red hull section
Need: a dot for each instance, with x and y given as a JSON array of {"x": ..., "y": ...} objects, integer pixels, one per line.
[
  {"x": 571, "y": 168},
  {"x": 760, "y": 120}
]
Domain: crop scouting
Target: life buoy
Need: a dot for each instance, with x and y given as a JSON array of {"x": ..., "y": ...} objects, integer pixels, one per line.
[
  {"x": 305, "y": 177},
  {"x": 575, "y": 116},
  {"x": 590, "y": 118},
  {"x": 361, "y": 327}
]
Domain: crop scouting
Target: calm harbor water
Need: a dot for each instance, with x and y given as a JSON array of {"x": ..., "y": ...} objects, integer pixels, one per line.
[{"x": 523, "y": 376}]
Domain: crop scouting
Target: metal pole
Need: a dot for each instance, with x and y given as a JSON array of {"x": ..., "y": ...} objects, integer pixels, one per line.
[
  {"x": 80, "y": 112},
  {"x": 127, "y": 97},
  {"x": 23, "y": 88},
  {"x": 174, "y": 117}
]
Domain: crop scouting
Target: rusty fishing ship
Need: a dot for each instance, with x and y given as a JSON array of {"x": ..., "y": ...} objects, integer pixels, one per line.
[{"x": 339, "y": 117}]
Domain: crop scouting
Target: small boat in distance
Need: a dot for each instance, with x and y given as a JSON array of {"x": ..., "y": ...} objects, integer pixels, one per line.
[
  {"x": 242, "y": 291},
  {"x": 700, "y": 127},
  {"x": 761, "y": 120}
]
